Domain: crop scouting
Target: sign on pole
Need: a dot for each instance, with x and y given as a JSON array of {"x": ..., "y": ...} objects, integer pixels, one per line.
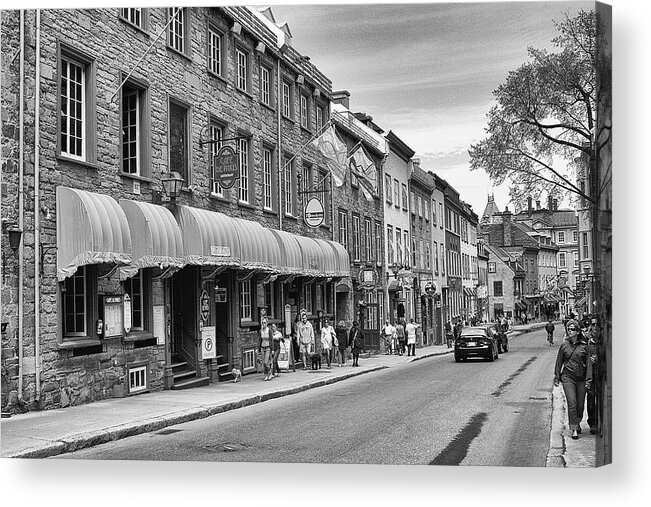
[
  {"x": 227, "y": 166},
  {"x": 314, "y": 213},
  {"x": 208, "y": 349}
]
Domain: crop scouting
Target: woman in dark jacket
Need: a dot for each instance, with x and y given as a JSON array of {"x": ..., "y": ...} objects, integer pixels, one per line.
[
  {"x": 342, "y": 341},
  {"x": 355, "y": 340},
  {"x": 574, "y": 371}
]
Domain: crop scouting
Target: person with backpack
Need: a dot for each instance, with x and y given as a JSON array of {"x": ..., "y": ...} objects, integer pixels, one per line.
[
  {"x": 400, "y": 335},
  {"x": 550, "y": 332},
  {"x": 356, "y": 342}
]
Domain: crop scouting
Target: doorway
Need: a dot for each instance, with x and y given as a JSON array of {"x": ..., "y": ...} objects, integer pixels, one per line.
[{"x": 185, "y": 316}]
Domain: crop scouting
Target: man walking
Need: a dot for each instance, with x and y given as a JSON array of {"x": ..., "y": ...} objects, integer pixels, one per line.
[
  {"x": 410, "y": 329},
  {"x": 388, "y": 331},
  {"x": 550, "y": 332},
  {"x": 305, "y": 338}
]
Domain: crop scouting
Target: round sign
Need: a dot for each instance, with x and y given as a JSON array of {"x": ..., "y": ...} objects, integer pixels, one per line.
[
  {"x": 227, "y": 166},
  {"x": 430, "y": 289},
  {"x": 314, "y": 213},
  {"x": 205, "y": 305}
]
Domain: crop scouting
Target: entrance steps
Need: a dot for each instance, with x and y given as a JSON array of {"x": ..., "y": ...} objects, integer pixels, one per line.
[{"x": 184, "y": 376}]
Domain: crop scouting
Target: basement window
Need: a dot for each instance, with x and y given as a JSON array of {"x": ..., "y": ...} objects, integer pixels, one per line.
[{"x": 137, "y": 379}]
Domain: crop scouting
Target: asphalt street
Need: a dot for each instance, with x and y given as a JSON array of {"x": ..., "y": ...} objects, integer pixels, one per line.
[{"x": 433, "y": 411}]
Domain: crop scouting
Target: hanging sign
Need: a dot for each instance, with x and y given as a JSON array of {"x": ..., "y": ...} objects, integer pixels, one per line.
[
  {"x": 205, "y": 306},
  {"x": 314, "y": 213},
  {"x": 430, "y": 289},
  {"x": 227, "y": 166},
  {"x": 127, "y": 313}
]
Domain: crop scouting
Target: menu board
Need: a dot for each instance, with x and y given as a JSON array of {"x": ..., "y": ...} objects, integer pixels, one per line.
[{"x": 113, "y": 316}]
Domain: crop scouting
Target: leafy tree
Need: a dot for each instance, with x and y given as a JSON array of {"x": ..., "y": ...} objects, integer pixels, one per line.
[{"x": 542, "y": 128}]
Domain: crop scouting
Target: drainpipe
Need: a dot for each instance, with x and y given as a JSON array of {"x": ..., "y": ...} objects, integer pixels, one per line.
[
  {"x": 21, "y": 155},
  {"x": 280, "y": 151},
  {"x": 37, "y": 211}
]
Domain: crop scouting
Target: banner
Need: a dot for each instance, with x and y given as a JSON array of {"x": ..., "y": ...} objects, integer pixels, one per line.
[
  {"x": 334, "y": 152},
  {"x": 366, "y": 172}
]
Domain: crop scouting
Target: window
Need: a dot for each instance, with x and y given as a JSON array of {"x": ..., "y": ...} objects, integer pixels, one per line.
[
  {"x": 135, "y": 130},
  {"x": 305, "y": 111},
  {"x": 242, "y": 70},
  {"x": 576, "y": 258},
  {"x": 177, "y": 30},
  {"x": 575, "y": 236},
  {"x": 135, "y": 287},
  {"x": 411, "y": 203},
  {"x": 388, "y": 190},
  {"x": 497, "y": 288},
  {"x": 420, "y": 206},
  {"x": 406, "y": 244},
  {"x": 434, "y": 223},
  {"x": 443, "y": 253},
  {"x": 562, "y": 261},
  {"x": 399, "y": 258},
  {"x": 307, "y": 178},
  {"x": 320, "y": 116},
  {"x": 269, "y": 299},
  {"x": 246, "y": 310},
  {"x": 404, "y": 196},
  {"x": 216, "y": 133},
  {"x": 133, "y": 15},
  {"x": 441, "y": 215},
  {"x": 368, "y": 239},
  {"x": 244, "y": 153},
  {"x": 436, "y": 258},
  {"x": 137, "y": 379},
  {"x": 73, "y": 107},
  {"x": 414, "y": 254},
  {"x": 390, "y": 251},
  {"x": 216, "y": 53},
  {"x": 287, "y": 100},
  {"x": 586, "y": 248},
  {"x": 75, "y": 304},
  {"x": 426, "y": 209},
  {"x": 378, "y": 241},
  {"x": 179, "y": 142},
  {"x": 561, "y": 237},
  {"x": 308, "y": 298},
  {"x": 265, "y": 85},
  {"x": 267, "y": 178},
  {"x": 396, "y": 193},
  {"x": 356, "y": 239},
  {"x": 288, "y": 174}
]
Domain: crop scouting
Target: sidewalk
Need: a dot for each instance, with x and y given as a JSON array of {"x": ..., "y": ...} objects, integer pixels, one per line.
[{"x": 52, "y": 432}]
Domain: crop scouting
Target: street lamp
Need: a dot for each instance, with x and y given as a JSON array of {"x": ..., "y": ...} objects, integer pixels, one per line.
[
  {"x": 395, "y": 269},
  {"x": 172, "y": 184}
]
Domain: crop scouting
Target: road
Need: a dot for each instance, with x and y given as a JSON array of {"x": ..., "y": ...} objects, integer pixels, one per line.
[{"x": 432, "y": 411}]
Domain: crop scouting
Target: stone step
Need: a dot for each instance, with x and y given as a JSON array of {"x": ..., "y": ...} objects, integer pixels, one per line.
[{"x": 191, "y": 382}]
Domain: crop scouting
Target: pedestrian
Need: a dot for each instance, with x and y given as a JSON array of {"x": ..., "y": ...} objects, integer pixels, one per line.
[
  {"x": 327, "y": 340},
  {"x": 573, "y": 370},
  {"x": 264, "y": 348},
  {"x": 305, "y": 338},
  {"x": 449, "y": 337},
  {"x": 549, "y": 327},
  {"x": 277, "y": 338},
  {"x": 387, "y": 332},
  {"x": 410, "y": 330},
  {"x": 590, "y": 330},
  {"x": 356, "y": 341},
  {"x": 400, "y": 335},
  {"x": 342, "y": 341}
]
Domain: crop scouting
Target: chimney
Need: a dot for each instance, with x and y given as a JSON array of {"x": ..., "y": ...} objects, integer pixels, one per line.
[
  {"x": 550, "y": 203},
  {"x": 555, "y": 203},
  {"x": 537, "y": 204},
  {"x": 341, "y": 97},
  {"x": 507, "y": 228},
  {"x": 529, "y": 205}
]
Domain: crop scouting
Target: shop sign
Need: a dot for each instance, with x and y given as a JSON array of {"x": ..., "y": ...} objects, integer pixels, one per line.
[
  {"x": 208, "y": 348},
  {"x": 227, "y": 166},
  {"x": 367, "y": 277},
  {"x": 127, "y": 313},
  {"x": 204, "y": 302},
  {"x": 220, "y": 251},
  {"x": 113, "y": 317},
  {"x": 430, "y": 289},
  {"x": 314, "y": 212},
  {"x": 220, "y": 294}
]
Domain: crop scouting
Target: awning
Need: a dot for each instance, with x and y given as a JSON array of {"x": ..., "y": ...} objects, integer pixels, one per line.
[
  {"x": 312, "y": 256},
  {"x": 342, "y": 258},
  {"x": 581, "y": 302},
  {"x": 520, "y": 305},
  {"x": 290, "y": 253},
  {"x": 342, "y": 288},
  {"x": 155, "y": 237},
  {"x": 91, "y": 229},
  {"x": 469, "y": 292},
  {"x": 258, "y": 247},
  {"x": 209, "y": 237},
  {"x": 394, "y": 286}
]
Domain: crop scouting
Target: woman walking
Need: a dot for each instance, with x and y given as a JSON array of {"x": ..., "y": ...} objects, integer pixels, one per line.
[
  {"x": 264, "y": 348},
  {"x": 327, "y": 340},
  {"x": 277, "y": 337},
  {"x": 355, "y": 338},
  {"x": 574, "y": 371},
  {"x": 342, "y": 341}
]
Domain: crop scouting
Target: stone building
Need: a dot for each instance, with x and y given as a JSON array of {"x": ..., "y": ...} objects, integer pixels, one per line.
[
  {"x": 453, "y": 293},
  {"x": 439, "y": 258},
  {"x": 506, "y": 276},
  {"x": 120, "y": 284}
]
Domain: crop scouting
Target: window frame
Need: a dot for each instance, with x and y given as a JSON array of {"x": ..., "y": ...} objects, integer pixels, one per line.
[
  {"x": 173, "y": 102},
  {"x": 215, "y": 126},
  {"x": 143, "y": 129},
  {"x": 145, "y": 301},
  {"x": 244, "y": 153},
  {"x": 368, "y": 239},
  {"x": 126, "y": 16},
  {"x": 289, "y": 185},
  {"x": 89, "y": 272},
  {"x": 242, "y": 82},
  {"x": 342, "y": 220},
  {"x": 268, "y": 178},
  {"x": 496, "y": 284},
  {"x": 213, "y": 32},
  {"x": 246, "y": 301},
  {"x": 357, "y": 250},
  {"x": 172, "y": 34},
  {"x": 396, "y": 193},
  {"x": 287, "y": 99},
  {"x": 305, "y": 110},
  {"x": 267, "y": 97}
]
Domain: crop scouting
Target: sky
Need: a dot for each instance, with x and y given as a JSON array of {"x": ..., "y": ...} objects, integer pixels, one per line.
[{"x": 426, "y": 71}]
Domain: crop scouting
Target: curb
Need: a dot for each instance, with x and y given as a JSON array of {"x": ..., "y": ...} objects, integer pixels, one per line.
[{"x": 556, "y": 457}]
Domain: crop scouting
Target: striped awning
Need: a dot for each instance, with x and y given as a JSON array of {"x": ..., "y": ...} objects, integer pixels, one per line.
[
  {"x": 290, "y": 251},
  {"x": 91, "y": 229},
  {"x": 581, "y": 302},
  {"x": 156, "y": 238},
  {"x": 258, "y": 247},
  {"x": 209, "y": 238}
]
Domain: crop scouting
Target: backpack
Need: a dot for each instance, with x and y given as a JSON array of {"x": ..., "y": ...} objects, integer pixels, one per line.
[{"x": 400, "y": 331}]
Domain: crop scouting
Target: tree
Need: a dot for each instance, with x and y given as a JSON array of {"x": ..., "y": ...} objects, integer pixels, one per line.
[{"x": 543, "y": 126}]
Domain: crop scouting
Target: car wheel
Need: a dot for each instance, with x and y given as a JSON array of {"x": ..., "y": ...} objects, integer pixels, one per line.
[{"x": 491, "y": 357}]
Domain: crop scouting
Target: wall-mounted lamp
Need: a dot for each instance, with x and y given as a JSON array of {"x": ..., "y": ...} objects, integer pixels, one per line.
[
  {"x": 236, "y": 28},
  {"x": 172, "y": 184},
  {"x": 316, "y": 93},
  {"x": 260, "y": 47},
  {"x": 14, "y": 232},
  {"x": 44, "y": 251},
  {"x": 300, "y": 79}
]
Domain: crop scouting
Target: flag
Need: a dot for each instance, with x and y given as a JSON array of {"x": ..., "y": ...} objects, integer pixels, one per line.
[
  {"x": 365, "y": 171},
  {"x": 334, "y": 152}
]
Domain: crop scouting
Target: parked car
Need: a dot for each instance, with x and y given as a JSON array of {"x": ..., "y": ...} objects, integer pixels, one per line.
[{"x": 479, "y": 341}]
